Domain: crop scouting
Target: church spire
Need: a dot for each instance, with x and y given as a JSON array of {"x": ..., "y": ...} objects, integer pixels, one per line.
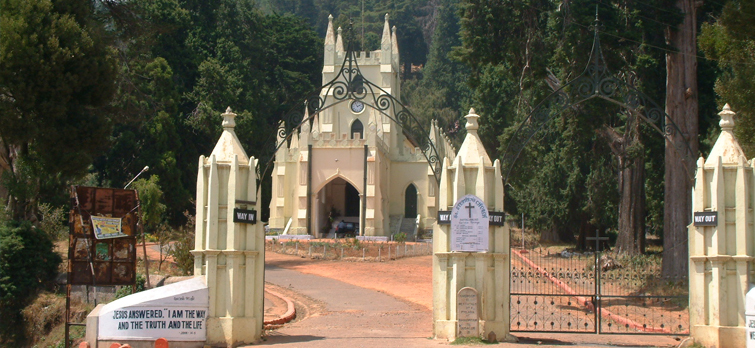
[
  {"x": 330, "y": 38},
  {"x": 330, "y": 43},
  {"x": 386, "y": 41},
  {"x": 339, "y": 42},
  {"x": 394, "y": 48}
]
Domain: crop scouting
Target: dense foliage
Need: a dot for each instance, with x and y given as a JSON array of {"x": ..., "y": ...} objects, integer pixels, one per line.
[
  {"x": 91, "y": 91},
  {"x": 27, "y": 263}
]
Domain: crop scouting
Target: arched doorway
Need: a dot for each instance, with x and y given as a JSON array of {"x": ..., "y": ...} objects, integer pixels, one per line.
[
  {"x": 410, "y": 202},
  {"x": 337, "y": 201}
]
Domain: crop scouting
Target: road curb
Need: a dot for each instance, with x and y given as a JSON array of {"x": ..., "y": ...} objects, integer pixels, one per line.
[{"x": 285, "y": 318}]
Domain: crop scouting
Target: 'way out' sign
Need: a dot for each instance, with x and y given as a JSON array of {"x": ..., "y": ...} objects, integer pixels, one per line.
[
  {"x": 706, "y": 218},
  {"x": 245, "y": 216},
  {"x": 469, "y": 225}
]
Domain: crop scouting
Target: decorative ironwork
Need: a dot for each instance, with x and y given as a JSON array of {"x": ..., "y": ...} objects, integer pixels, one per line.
[
  {"x": 581, "y": 292},
  {"x": 351, "y": 85},
  {"x": 597, "y": 82}
]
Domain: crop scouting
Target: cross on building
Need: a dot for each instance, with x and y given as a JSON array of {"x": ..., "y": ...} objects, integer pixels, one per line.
[{"x": 470, "y": 206}]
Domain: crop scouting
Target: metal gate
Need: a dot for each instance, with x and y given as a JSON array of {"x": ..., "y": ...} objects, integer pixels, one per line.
[{"x": 593, "y": 293}]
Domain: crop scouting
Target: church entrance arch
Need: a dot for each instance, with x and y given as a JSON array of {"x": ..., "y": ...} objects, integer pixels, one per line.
[{"x": 335, "y": 201}]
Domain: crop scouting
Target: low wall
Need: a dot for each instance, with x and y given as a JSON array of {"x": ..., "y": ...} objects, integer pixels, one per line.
[{"x": 93, "y": 321}]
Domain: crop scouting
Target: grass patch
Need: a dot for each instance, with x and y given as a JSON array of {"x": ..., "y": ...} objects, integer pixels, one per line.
[{"x": 471, "y": 341}]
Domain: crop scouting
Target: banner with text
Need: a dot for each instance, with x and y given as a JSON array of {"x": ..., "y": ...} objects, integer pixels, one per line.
[{"x": 107, "y": 227}]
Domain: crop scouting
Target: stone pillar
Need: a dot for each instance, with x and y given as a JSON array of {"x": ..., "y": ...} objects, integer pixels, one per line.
[
  {"x": 472, "y": 172},
  {"x": 721, "y": 255},
  {"x": 228, "y": 254}
]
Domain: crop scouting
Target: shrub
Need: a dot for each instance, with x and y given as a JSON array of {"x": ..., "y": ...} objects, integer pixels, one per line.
[
  {"x": 400, "y": 237},
  {"x": 128, "y": 290},
  {"x": 181, "y": 248},
  {"x": 27, "y": 263}
]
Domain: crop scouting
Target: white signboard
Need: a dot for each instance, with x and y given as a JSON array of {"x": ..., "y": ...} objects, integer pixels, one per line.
[
  {"x": 176, "y": 312},
  {"x": 469, "y": 225}
]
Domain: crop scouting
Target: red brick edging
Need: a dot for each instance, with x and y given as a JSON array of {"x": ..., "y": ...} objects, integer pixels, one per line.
[{"x": 288, "y": 316}]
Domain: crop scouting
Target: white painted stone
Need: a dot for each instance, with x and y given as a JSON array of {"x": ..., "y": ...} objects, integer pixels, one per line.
[
  {"x": 467, "y": 312},
  {"x": 177, "y": 312}
]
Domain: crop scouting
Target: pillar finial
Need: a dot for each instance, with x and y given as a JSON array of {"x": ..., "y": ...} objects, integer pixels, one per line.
[
  {"x": 472, "y": 125},
  {"x": 229, "y": 121},
  {"x": 727, "y": 118}
]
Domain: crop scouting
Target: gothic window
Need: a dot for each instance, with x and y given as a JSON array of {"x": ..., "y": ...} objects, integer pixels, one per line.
[{"x": 357, "y": 130}]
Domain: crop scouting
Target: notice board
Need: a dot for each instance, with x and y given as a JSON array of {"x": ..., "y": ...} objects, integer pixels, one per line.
[{"x": 102, "y": 253}]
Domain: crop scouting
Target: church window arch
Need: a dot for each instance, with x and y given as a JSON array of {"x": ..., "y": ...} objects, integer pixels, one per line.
[{"x": 357, "y": 129}]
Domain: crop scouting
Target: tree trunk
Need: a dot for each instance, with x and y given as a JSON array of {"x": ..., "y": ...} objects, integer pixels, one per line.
[
  {"x": 682, "y": 108},
  {"x": 631, "y": 238}
]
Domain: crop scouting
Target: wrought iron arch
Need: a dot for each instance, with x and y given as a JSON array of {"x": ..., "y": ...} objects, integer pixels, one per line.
[
  {"x": 350, "y": 85},
  {"x": 596, "y": 82}
]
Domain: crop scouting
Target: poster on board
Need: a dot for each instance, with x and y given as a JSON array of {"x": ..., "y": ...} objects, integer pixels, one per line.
[{"x": 107, "y": 227}]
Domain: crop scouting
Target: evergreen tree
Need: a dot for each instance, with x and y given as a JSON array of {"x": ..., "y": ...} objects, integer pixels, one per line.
[{"x": 55, "y": 71}]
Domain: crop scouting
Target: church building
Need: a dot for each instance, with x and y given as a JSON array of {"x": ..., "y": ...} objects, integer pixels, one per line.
[{"x": 352, "y": 161}]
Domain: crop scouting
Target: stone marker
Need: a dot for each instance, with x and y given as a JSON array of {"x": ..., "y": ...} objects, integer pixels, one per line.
[{"x": 467, "y": 314}]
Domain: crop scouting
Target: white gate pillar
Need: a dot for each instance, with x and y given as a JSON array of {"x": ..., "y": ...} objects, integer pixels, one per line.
[
  {"x": 721, "y": 254},
  {"x": 472, "y": 172},
  {"x": 230, "y": 255}
]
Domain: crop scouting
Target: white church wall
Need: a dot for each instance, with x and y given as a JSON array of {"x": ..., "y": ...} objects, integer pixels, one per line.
[{"x": 331, "y": 162}]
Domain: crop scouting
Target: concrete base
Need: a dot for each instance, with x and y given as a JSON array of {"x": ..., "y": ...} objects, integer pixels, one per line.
[
  {"x": 232, "y": 332},
  {"x": 445, "y": 329},
  {"x": 719, "y": 336}
]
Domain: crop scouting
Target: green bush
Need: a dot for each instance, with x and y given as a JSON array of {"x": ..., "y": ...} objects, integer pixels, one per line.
[
  {"x": 400, "y": 237},
  {"x": 28, "y": 262},
  {"x": 183, "y": 244},
  {"x": 128, "y": 290}
]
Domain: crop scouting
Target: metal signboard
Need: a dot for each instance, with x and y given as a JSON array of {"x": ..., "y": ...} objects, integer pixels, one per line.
[
  {"x": 245, "y": 216},
  {"x": 706, "y": 218},
  {"x": 102, "y": 238},
  {"x": 495, "y": 218}
]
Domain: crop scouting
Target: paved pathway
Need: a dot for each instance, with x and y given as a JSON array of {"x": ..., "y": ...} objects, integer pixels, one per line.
[{"x": 352, "y": 316}]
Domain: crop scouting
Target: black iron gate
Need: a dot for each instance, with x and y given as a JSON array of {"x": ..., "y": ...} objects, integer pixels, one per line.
[{"x": 594, "y": 293}]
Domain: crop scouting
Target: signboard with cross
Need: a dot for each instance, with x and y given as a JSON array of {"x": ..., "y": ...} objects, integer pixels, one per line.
[{"x": 469, "y": 225}]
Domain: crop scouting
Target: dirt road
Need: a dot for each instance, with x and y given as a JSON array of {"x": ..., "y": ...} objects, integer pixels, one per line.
[{"x": 386, "y": 304}]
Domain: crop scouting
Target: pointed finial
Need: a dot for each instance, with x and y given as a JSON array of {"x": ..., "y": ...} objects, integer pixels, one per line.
[
  {"x": 727, "y": 118},
  {"x": 339, "y": 41},
  {"x": 386, "y": 39},
  {"x": 329, "y": 35},
  {"x": 472, "y": 126},
  {"x": 228, "y": 119},
  {"x": 394, "y": 40}
]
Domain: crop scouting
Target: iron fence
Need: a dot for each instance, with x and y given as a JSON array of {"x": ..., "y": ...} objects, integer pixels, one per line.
[{"x": 595, "y": 293}]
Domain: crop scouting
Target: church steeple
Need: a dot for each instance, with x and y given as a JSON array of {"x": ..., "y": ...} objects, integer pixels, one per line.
[
  {"x": 339, "y": 42},
  {"x": 386, "y": 41},
  {"x": 330, "y": 43}
]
